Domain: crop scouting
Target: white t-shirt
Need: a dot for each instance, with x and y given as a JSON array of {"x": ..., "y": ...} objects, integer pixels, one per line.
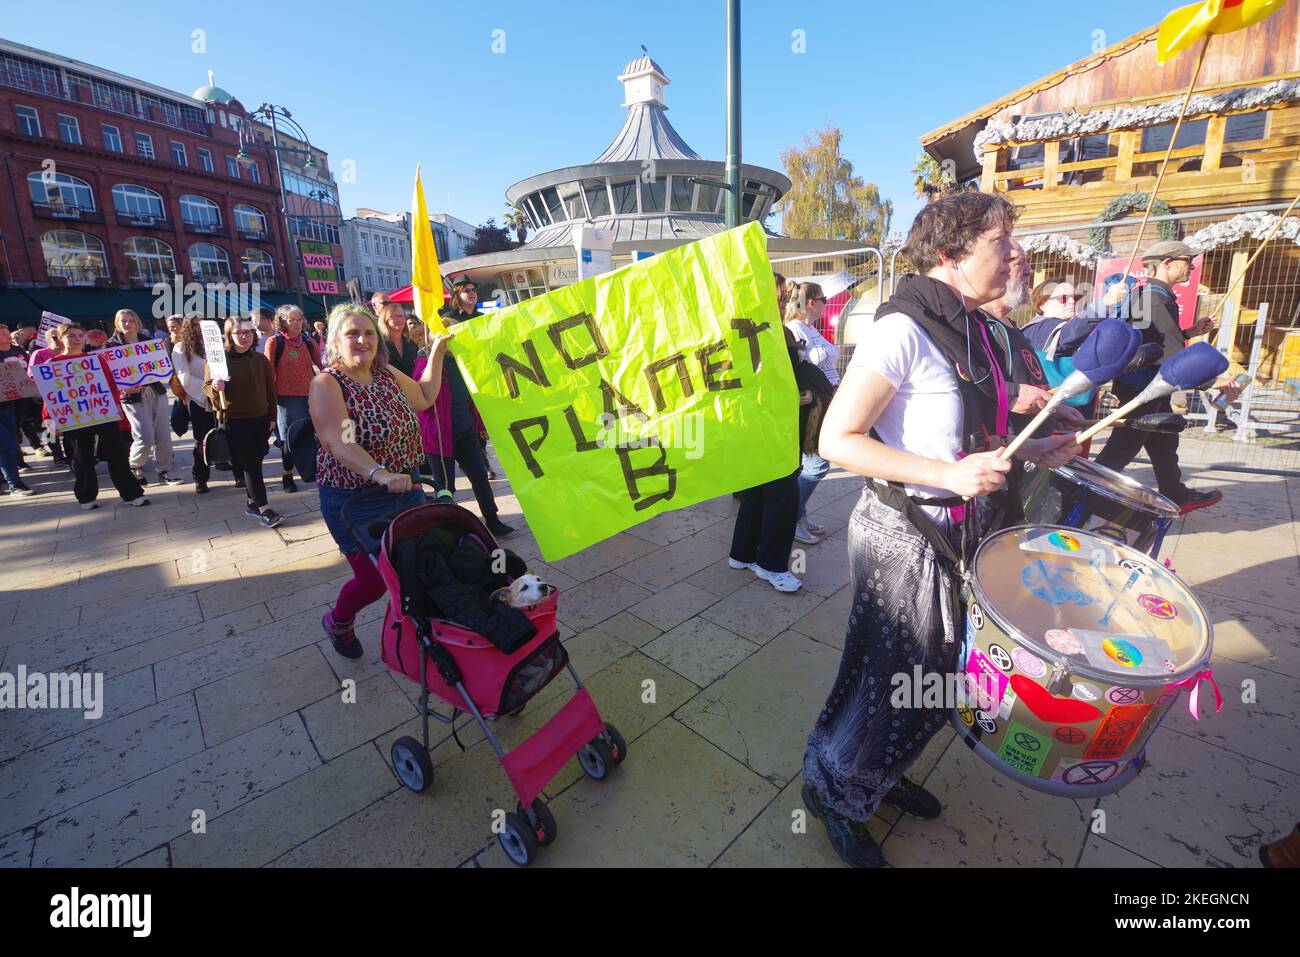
[
  {"x": 817, "y": 349},
  {"x": 924, "y": 416}
]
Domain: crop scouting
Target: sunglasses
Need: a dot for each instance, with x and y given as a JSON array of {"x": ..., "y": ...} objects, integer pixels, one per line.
[{"x": 1064, "y": 298}]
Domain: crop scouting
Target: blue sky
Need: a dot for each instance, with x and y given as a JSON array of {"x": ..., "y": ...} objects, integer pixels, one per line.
[{"x": 391, "y": 84}]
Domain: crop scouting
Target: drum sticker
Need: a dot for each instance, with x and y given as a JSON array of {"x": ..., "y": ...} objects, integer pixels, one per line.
[
  {"x": 989, "y": 682},
  {"x": 1118, "y": 729},
  {"x": 998, "y": 655},
  {"x": 1054, "y": 584},
  {"x": 1168, "y": 695},
  {"x": 967, "y": 716},
  {"x": 1045, "y": 706},
  {"x": 977, "y": 616},
  {"x": 1132, "y": 565},
  {"x": 1028, "y": 663},
  {"x": 1125, "y": 654},
  {"x": 1086, "y": 692},
  {"x": 1031, "y": 365},
  {"x": 986, "y": 722},
  {"x": 1121, "y": 695},
  {"x": 1068, "y": 735},
  {"x": 1062, "y": 640},
  {"x": 1023, "y": 749},
  {"x": 1158, "y": 607},
  {"x": 1008, "y": 703},
  {"x": 1082, "y": 773}
]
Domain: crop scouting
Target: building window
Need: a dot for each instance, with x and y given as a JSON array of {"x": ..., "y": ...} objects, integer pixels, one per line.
[
  {"x": 553, "y": 206},
  {"x": 254, "y": 174},
  {"x": 258, "y": 266},
  {"x": 365, "y": 244},
  {"x": 250, "y": 221},
  {"x": 653, "y": 194},
  {"x": 597, "y": 197},
  {"x": 200, "y": 211},
  {"x": 112, "y": 138},
  {"x": 370, "y": 278},
  {"x": 178, "y": 154},
  {"x": 138, "y": 202},
  {"x": 69, "y": 130},
  {"x": 148, "y": 261},
  {"x": 61, "y": 192},
  {"x": 209, "y": 263},
  {"x": 624, "y": 195},
  {"x": 232, "y": 168},
  {"x": 682, "y": 191},
  {"x": 29, "y": 121},
  {"x": 205, "y": 160},
  {"x": 571, "y": 197},
  {"x": 144, "y": 145},
  {"x": 77, "y": 257}
]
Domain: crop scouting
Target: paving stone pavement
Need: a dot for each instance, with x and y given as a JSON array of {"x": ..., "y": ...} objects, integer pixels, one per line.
[{"x": 233, "y": 735}]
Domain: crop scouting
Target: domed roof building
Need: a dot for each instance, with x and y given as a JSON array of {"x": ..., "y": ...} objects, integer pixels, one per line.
[{"x": 642, "y": 189}]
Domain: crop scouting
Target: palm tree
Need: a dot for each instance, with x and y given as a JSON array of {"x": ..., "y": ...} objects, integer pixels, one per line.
[
  {"x": 931, "y": 177},
  {"x": 516, "y": 220}
]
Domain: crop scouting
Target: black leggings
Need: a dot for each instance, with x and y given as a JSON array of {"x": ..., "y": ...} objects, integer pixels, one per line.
[
  {"x": 109, "y": 443},
  {"x": 764, "y": 530},
  {"x": 249, "y": 442}
]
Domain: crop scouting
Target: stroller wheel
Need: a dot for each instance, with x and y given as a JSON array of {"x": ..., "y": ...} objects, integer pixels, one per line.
[
  {"x": 412, "y": 764},
  {"x": 596, "y": 760},
  {"x": 544, "y": 820},
  {"x": 618, "y": 749},
  {"x": 518, "y": 840}
]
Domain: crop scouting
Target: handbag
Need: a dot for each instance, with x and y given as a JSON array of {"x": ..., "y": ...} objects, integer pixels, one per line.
[
  {"x": 216, "y": 444},
  {"x": 1056, "y": 368},
  {"x": 180, "y": 416}
]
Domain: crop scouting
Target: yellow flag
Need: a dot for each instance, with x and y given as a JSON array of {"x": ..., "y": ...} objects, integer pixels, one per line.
[
  {"x": 426, "y": 277},
  {"x": 1184, "y": 26}
]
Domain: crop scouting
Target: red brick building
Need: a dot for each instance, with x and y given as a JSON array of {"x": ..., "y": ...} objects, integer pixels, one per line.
[{"x": 109, "y": 185}]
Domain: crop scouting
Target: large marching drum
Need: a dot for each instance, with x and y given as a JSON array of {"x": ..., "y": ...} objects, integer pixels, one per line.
[
  {"x": 1077, "y": 646},
  {"x": 1088, "y": 496}
]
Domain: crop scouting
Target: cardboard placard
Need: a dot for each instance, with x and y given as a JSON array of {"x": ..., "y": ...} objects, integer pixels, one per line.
[
  {"x": 77, "y": 392},
  {"x": 15, "y": 383},
  {"x": 138, "y": 363}
]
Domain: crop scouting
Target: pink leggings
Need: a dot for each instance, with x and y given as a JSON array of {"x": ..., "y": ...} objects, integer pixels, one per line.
[{"x": 365, "y": 588}]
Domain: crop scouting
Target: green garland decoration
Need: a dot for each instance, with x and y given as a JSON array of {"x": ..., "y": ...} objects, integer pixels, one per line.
[{"x": 1097, "y": 236}]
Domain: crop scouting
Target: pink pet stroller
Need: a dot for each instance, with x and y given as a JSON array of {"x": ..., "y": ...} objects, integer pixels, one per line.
[{"x": 470, "y": 674}]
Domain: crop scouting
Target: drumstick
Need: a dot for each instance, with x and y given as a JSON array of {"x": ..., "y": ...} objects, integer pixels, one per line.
[
  {"x": 1168, "y": 422},
  {"x": 1197, "y": 364},
  {"x": 1106, "y": 352}
]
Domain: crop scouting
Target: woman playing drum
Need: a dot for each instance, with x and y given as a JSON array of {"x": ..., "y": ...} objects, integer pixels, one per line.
[{"x": 921, "y": 412}]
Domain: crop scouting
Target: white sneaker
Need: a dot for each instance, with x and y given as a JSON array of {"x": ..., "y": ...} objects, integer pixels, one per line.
[
  {"x": 815, "y": 527},
  {"x": 781, "y": 581},
  {"x": 802, "y": 533},
  {"x": 89, "y": 506},
  {"x": 138, "y": 502},
  {"x": 739, "y": 565},
  {"x": 166, "y": 478}
]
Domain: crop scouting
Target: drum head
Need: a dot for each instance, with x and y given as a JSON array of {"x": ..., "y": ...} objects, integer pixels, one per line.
[
  {"x": 1087, "y": 600},
  {"x": 1117, "y": 486}
]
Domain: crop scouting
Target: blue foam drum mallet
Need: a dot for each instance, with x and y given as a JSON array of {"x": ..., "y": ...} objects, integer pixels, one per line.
[
  {"x": 1106, "y": 353},
  {"x": 1196, "y": 367}
]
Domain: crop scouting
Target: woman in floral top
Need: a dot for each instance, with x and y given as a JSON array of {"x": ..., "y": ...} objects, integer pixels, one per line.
[
  {"x": 294, "y": 360},
  {"x": 364, "y": 414}
]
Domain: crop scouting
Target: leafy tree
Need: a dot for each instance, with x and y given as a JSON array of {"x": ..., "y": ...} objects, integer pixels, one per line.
[
  {"x": 516, "y": 220},
  {"x": 489, "y": 238},
  {"x": 932, "y": 178},
  {"x": 826, "y": 201}
]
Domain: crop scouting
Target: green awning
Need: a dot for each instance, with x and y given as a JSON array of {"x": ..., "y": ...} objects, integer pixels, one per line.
[
  {"x": 16, "y": 307},
  {"x": 312, "y": 306},
  {"x": 79, "y": 305}
]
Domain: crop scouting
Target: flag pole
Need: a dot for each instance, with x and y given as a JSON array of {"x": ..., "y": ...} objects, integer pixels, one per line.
[{"x": 1173, "y": 140}]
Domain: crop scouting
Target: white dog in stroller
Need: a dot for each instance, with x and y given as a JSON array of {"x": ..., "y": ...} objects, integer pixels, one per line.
[{"x": 524, "y": 592}]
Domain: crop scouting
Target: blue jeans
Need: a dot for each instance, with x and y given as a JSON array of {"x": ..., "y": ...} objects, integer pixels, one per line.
[
  {"x": 288, "y": 409},
  {"x": 9, "y": 443},
  {"x": 814, "y": 470},
  {"x": 376, "y": 509}
]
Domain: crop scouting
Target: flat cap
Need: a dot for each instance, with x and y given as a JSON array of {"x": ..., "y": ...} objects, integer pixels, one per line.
[{"x": 1169, "y": 249}]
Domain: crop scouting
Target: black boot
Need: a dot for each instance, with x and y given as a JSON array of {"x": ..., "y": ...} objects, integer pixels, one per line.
[{"x": 851, "y": 839}]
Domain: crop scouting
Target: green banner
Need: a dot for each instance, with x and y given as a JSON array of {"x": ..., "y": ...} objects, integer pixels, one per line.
[{"x": 659, "y": 385}]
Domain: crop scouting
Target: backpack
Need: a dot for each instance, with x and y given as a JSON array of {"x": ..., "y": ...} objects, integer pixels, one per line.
[
  {"x": 277, "y": 349},
  {"x": 301, "y": 445}
]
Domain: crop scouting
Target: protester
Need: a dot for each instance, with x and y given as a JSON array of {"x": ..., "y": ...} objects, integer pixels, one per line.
[
  {"x": 382, "y": 445},
  {"x": 24, "y": 336},
  {"x": 27, "y": 411},
  {"x": 465, "y": 424},
  {"x": 10, "y": 452},
  {"x": 146, "y": 409},
  {"x": 418, "y": 333},
  {"x": 377, "y": 302},
  {"x": 56, "y": 442},
  {"x": 95, "y": 339},
  {"x": 248, "y": 401},
  {"x": 904, "y": 415},
  {"x": 295, "y": 359},
  {"x": 1167, "y": 263},
  {"x": 264, "y": 319},
  {"x": 765, "y": 525},
  {"x": 175, "y": 326},
  {"x": 804, "y": 309},
  {"x": 402, "y": 352},
  {"x": 189, "y": 363},
  {"x": 105, "y": 442}
]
